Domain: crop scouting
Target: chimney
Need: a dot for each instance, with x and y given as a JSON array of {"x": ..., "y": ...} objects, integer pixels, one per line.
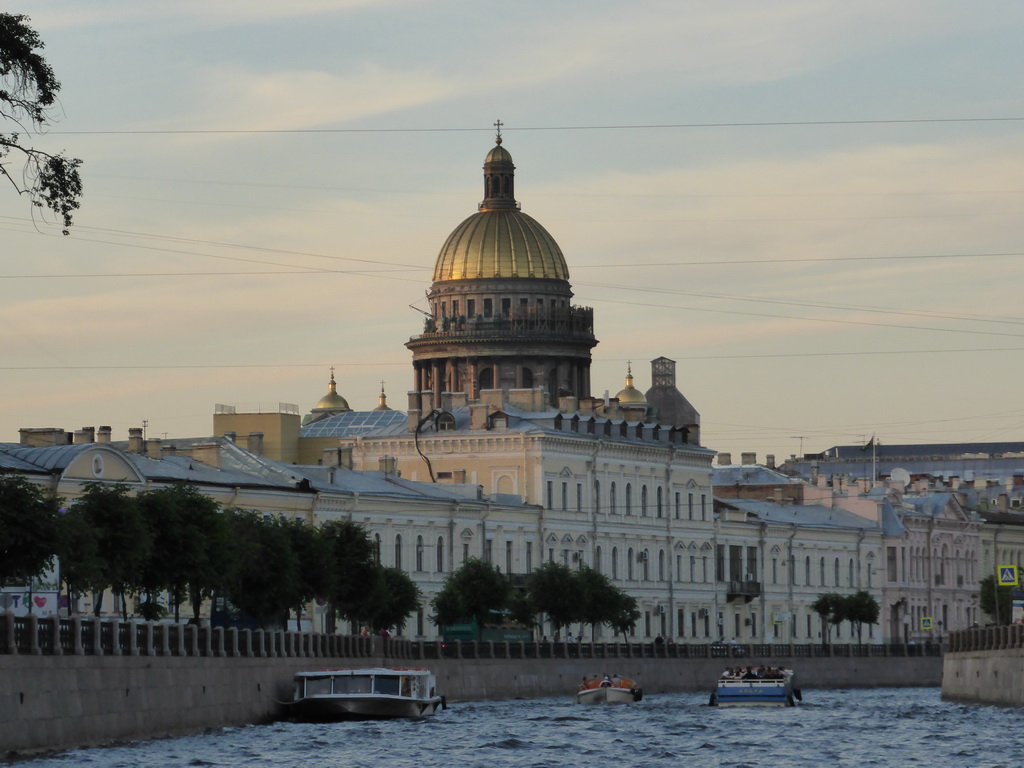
[
  {"x": 338, "y": 457},
  {"x": 135, "y": 440},
  {"x": 167, "y": 450},
  {"x": 388, "y": 465},
  {"x": 232, "y": 436},
  {"x": 254, "y": 444},
  {"x": 103, "y": 435},
  {"x": 153, "y": 447},
  {"x": 207, "y": 453},
  {"x": 724, "y": 459},
  {"x": 769, "y": 461},
  {"x": 81, "y": 437},
  {"x": 748, "y": 458}
]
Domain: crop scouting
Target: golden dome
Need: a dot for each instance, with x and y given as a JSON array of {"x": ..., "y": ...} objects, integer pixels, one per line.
[
  {"x": 332, "y": 401},
  {"x": 499, "y": 240},
  {"x": 500, "y": 243},
  {"x": 630, "y": 395}
]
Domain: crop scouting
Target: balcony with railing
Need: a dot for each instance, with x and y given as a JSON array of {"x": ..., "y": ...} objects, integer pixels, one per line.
[{"x": 743, "y": 590}]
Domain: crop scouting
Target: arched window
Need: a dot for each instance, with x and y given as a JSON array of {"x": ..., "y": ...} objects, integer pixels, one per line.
[
  {"x": 629, "y": 498},
  {"x": 661, "y": 502},
  {"x": 643, "y": 501},
  {"x": 376, "y": 547},
  {"x": 661, "y": 565},
  {"x": 597, "y": 495},
  {"x": 821, "y": 571},
  {"x": 398, "y": 551},
  {"x": 646, "y": 556},
  {"x": 419, "y": 553},
  {"x": 807, "y": 570},
  {"x": 611, "y": 500},
  {"x": 615, "y": 562},
  {"x": 527, "y": 378},
  {"x": 629, "y": 564},
  {"x": 487, "y": 378},
  {"x": 439, "y": 555},
  {"x": 835, "y": 569},
  {"x": 849, "y": 576},
  {"x": 597, "y": 559}
]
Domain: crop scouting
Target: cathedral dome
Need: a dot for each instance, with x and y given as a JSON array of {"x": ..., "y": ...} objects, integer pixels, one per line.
[
  {"x": 499, "y": 240},
  {"x": 630, "y": 395},
  {"x": 332, "y": 401},
  {"x": 500, "y": 243}
]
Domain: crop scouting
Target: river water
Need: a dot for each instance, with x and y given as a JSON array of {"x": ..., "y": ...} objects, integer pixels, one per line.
[{"x": 880, "y": 727}]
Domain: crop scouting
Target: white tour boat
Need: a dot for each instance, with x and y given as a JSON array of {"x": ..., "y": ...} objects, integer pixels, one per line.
[
  {"x": 606, "y": 690},
  {"x": 762, "y": 688},
  {"x": 364, "y": 694}
]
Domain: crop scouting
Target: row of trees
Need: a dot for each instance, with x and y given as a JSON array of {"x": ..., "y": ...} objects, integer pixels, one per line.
[
  {"x": 478, "y": 590},
  {"x": 177, "y": 542},
  {"x": 859, "y": 609}
]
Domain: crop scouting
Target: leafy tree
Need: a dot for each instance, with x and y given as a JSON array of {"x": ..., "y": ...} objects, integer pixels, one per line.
[
  {"x": 355, "y": 569},
  {"x": 472, "y": 593},
  {"x": 831, "y": 607},
  {"x": 122, "y": 536},
  {"x": 78, "y": 549},
  {"x": 861, "y": 608},
  {"x": 263, "y": 583},
  {"x": 623, "y": 612},
  {"x": 398, "y": 597},
  {"x": 28, "y": 93},
  {"x": 314, "y": 577},
  {"x": 1002, "y": 611},
  {"x": 28, "y": 530},
  {"x": 189, "y": 557},
  {"x": 555, "y": 592}
]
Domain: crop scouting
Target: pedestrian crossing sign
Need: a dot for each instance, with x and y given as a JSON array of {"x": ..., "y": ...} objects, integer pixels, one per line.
[
  {"x": 1008, "y": 576},
  {"x": 926, "y": 622}
]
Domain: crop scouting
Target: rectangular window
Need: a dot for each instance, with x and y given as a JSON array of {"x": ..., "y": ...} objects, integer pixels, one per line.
[
  {"x": 551, "y": 493},
  {"x": 720, "y": 562},
  {"x": 565, "y": 496},
  {"x": 506, "y": 307},
  {"x": 579, "y": 497},
  {"x": 677, "y": 505},
  {"x": 488, "y": 307},
  {"x": 470, "y": 307},
  {"x": 689, "y": 506},
  {"x": 508, "y": 557},
  {"x": 455, "y": 307},
  {"x": 751, "y": 574},
  {"x": 488, "y": 554},
  {"x": 703, "y": 506},
  {"x": 890, "y": 564},
  {"x": 529, "y": 556},
  {"x": 465, "y": 552}
]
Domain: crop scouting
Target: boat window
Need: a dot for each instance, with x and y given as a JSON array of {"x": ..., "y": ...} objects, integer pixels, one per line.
[
  {"x": 353, "y": 684},
  {"x": 386, "y": 685},
  {"x": 318, "y": 686}
]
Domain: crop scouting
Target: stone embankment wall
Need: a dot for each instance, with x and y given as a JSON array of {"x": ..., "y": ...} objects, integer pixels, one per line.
[
  {"x": 75, "y": 682},
  {"x": 985, "y": 666}
]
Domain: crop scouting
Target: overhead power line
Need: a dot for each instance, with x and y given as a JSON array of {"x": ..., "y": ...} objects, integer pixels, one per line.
[{"x": 620, "y": 127}]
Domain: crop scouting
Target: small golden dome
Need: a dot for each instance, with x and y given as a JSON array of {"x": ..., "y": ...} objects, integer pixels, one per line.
[
  {"x": 630, "y": 395},
  {"x": 332, "y": 401}
]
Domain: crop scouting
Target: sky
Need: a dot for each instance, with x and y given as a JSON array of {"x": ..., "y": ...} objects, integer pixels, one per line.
[{"x": 814, "y": 207}]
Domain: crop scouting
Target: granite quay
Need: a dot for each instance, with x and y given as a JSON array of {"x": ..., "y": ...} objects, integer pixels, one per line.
[
  {"x": 77, "y": 681},
  {"x": 986, "y": 666}
]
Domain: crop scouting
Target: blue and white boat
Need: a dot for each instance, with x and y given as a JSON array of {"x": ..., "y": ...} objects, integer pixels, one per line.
[
  {"x": 773, "y": 688},
  {"x": 364, "y": 694}
]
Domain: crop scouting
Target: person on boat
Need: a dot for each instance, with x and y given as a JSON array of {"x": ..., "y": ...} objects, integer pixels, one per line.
[{"x": 606, "y": 682}]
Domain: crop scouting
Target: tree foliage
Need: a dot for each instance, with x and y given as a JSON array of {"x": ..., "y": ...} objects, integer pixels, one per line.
[
  {"x": 398, "y": 598},
  {"x": 356, "y": 574},
  {"x": 556, "y": 592},
  {"x": 987, "y": 597},
  {"x": 189, "y": 558},
  {"x": 28, "y": 530},
  {"x": 472, "y": 593},
  {"x": 123, "y": 540},
  {"x": 28, "y": 95},
  {"x": 859, "y": 608}
]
